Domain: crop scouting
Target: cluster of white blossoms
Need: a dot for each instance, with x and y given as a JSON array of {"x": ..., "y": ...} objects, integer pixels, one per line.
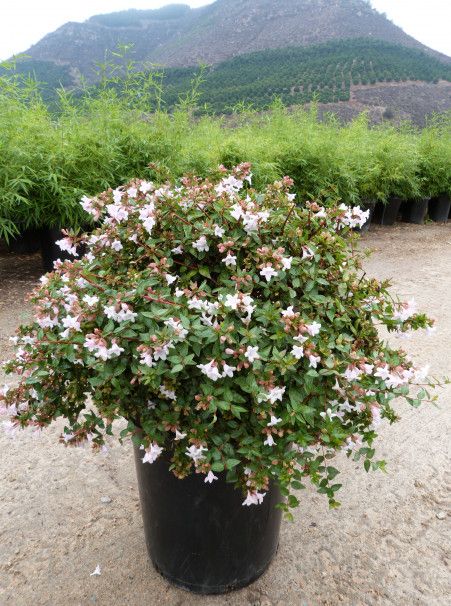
[
  {"x": 97, "y": 345},
  {"x": 354, "y": 216},
  {"x": 121, "y": 312}
]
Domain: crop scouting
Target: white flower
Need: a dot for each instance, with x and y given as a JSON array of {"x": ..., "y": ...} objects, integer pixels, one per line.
[
  {"x": 269, "y": 441},
  {"x": 288, "y": 312},
  {"x": 131, "y": 192},
  {"x": 86, "y": 204},
  {"x": 383, "y": 372},
  {"x": 179, "y": 435},
  {"x": 123, "y": 315},
  {"x": 376, "y": 416},
  {"x": 147, "y": 216},
  {"x": 430, "y": 330},
  {"x": 354, "y": 217},
  {"x": 170, "y": 279},
  {"x": 162, "y": 351},
  {"x": 116, "y": 245},
  {"x": 177, "y": 327},
  {"x": 67, "y": 245},
  {"x": 179, "y": 293},
  {"x": 117, "y": 195},
  {"x": 286, "y": 262},
  {"x": 314, "y": 361},
  {"x": 230, "y": 185},
  {"x": 228, "y": 370},
  {"x": 275, "y": 394},
  {"x": 329, "y": 414},
  {"x": 178, "y": 250},
  {"x": 297, "y": 352},
  {"x": 152, "y": 453},
  {"x": 307, "y": 253},
  {"x": 210, "y": 477},
  {"x": 91, "y": 301},
  {"x": 274, "y": 421},
  {"x": 229, "y": 260},
  {"x": 211, "y": 370},
  {"x": 145, "y": 186},
  {"x": 146, "y": 358},
  {"x": 252, "y": 354},
  {"x": 268, "y": 273},
  {"x": 352, "y": 373},
  {"x": 232, "y": 301},
  {"x": 219, "y": 231},
  {"x": 237, "y": 212},
  {"x": 167, "y": 393},
  {"x": 117, "y": 212},
  {"x": 114, "y": 351},
  {"x": 71, "y": 323},
  {"x": 195, "y": 453},
  {"x": 291, "y": 197},
  {"x": 96, "y": 572},
  {"x": 201, "y": 244},
  {"x": 313, "y": 329},
  {"x": 254, "y": 498}
]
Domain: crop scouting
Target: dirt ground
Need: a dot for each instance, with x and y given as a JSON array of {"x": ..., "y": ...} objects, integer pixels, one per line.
[{"x": 387, "y": 544}]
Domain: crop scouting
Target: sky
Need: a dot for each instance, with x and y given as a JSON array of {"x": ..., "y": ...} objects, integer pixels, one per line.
[{"x": 25, "y": 22}]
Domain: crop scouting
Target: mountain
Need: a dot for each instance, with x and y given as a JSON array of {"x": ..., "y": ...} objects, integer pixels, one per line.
[
  {"x": 256, "y": 50},
  {"x": 177, "y": 35}
]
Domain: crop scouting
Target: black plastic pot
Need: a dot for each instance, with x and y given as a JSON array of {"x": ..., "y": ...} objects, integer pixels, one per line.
[
  {"x": 414, "y": 211},
  {"x": 386, "y": 214},
  {"x": 199, "y": 536},
  {"x": 439, "y": 208},
  {"x": 27, "y": 242}
]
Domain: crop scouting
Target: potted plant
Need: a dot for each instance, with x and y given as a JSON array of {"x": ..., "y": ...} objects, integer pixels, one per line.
[
  {"x": 394, "y": 171},
  {"x": 236, "y": 333}
]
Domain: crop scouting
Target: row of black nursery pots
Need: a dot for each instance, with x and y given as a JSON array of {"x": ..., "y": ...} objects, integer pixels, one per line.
[{"x": 412, "y": 211}]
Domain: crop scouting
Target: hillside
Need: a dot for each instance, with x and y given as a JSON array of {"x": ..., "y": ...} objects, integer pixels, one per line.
[
  {"x": 323, "y": 72},
  {"x": 255, "y": 51},
  {"x": 179, "y": 36}
]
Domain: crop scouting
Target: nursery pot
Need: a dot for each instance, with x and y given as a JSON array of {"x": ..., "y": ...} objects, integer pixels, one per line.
[
  {"x": 388, "y": 212},
  {"x": 27, "y": 242},
  {"x": 414, "y": 211},
  {"x": 439, "y": 208},
  {"x": 199, "y": 536}
]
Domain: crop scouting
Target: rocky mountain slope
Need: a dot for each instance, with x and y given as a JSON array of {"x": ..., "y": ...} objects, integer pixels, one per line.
[{"x": 179, "y": 36}]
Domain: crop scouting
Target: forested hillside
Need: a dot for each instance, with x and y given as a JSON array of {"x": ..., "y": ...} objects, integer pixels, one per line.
[{"x": 298, "y": 75}]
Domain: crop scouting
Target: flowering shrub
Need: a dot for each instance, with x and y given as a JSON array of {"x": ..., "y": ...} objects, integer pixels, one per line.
[{"x": 231, "y": 327}]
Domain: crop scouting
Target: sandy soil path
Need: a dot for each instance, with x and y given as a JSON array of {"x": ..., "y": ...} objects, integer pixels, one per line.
[{"x": 388, "y": 544}]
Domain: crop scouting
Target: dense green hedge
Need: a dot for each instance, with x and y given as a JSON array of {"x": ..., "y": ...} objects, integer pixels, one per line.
[{"x": 49, "y": 160}]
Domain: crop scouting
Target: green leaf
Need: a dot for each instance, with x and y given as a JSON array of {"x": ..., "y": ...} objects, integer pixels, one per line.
[
  {"x": 231, "y": 463},
  {"x": 217, "y": 466}
]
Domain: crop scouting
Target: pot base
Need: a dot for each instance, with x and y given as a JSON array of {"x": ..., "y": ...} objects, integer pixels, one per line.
[{"x": 216, "y": 589}]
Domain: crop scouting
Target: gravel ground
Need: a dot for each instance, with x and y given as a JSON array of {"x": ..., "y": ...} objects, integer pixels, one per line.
[{"x": 387, "y": 544}]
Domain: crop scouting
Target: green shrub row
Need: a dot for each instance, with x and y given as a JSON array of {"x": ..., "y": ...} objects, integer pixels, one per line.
[{"x": 49, "y": 158}]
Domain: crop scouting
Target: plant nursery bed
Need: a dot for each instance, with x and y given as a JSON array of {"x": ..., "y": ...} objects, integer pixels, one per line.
[{"x": 63, "y": 511}]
